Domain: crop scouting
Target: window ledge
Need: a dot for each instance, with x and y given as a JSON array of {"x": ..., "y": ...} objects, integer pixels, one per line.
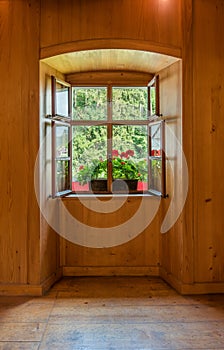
[{"x": 108, "y": 195}]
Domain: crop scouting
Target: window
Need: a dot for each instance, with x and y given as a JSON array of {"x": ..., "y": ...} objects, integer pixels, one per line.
[
  {"x": 153, "y": 96},
  {"x": 103, "y": 140},
  {"x": 157, "y": 158}
]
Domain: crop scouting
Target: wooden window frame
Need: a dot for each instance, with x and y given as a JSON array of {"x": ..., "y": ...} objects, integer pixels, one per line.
[
  {"x": 60, "y": 120},
  {"x": 109, "y": 123},
  {"x": 162, "y": 157},
  {"x": 154, "y": 84}
]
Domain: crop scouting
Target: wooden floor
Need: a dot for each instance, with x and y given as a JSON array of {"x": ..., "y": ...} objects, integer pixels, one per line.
[{"x": 128, "y": 313}]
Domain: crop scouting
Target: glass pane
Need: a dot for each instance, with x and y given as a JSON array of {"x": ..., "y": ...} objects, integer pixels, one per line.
[
  {"x": 129, "y": 103},
  {"x": 155, "y": 133},
  {"x": 61, "y": 141},
  {"x": 155, "y": 175},
  {"x": 89, "y": 155},
  {"x": 62, "y": 175},
  {"x": 62, "y": 100},
  {"x": 129, "y": 155},
  {"x": 152, "y": 100},
  {"x": 90, "y": 103}
]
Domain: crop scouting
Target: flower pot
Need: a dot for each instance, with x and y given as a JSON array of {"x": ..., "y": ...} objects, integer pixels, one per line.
[
  {"x": 98, "y": 185},
  {"x": 122, "y": 184}
]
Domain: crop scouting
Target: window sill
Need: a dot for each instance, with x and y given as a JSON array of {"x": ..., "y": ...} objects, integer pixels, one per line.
[{"x": 107, "y": 195}]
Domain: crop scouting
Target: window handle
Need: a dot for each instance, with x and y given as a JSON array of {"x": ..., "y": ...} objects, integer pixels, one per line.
[{"x": 109, "y": 158}]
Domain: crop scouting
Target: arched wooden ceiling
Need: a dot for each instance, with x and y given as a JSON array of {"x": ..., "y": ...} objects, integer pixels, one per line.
[{"x": 110, "y": 59}]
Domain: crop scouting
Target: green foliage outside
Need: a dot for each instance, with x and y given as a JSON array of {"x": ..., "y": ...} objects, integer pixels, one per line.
[
  {"x": 124, "y": 167},
  {"x": 90, "y": 142}
]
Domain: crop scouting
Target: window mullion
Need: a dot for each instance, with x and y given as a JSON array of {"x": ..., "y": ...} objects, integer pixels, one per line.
[{"x": 109, "y": 137}]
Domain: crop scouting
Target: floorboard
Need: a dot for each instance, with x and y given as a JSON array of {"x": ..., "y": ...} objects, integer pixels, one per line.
[{"x": 112, "y": 313}]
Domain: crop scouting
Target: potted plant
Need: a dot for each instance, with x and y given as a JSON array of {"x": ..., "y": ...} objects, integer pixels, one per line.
[
  {"x": 125, "y": 170},
  {"x": 94, "y": 173}
]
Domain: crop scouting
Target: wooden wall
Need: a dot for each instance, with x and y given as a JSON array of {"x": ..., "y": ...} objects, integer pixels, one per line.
[
  {"x": 196, "y": 36},
  {"x": 49, "y": 240},
  {"x": 19, "y": 143},
  {"x": 208, "y": 140},
  {"x": 73, "y": 25},
  {"x": 139, "y": 256},
  {"x": 201, "y": 266},
  {"x": 171, "y": 242},
  {"x": 142, "y": 255},
  {"x": 147, "y": 25}
]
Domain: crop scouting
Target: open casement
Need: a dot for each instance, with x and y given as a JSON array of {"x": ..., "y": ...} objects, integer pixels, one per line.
[
  {"x": 117, "y": 130},
  {"x": 157, "y": 160},
  {"x": 61, "y": 138},
  {"x": 153, "y": 98}
]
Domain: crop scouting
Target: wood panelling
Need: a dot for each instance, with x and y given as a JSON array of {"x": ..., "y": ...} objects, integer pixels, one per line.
[
  {"x": 140, "y": 254},
  {"x": 192, "y": 251},
  {"x": 123, "y": 78},
  {"x": 208, "y": 141},
  {"x": 187, "y": 141},
  {"x": 109, "y": 60},
  {"x": 171, "y": 107},
  {"x": 73, "y": 22},
  {"x": 19, "y": 142},
  {"x": 50, "y": 241}
]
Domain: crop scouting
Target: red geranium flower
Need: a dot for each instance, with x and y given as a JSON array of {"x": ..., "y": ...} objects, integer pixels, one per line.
[
  {"x": 130, "y": 153},
  {"x": 81, "y": 167},
  {"x": 115, "y": 153},
  {"x": 124, "y": 155}
]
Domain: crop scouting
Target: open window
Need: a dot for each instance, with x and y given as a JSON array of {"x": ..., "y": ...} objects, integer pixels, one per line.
[
  {"x": 153, "y": 98},
  {"x": 61, "y": 137},
  {"x": 157, "y": 165},
  {"x": 105, "y": 140}
]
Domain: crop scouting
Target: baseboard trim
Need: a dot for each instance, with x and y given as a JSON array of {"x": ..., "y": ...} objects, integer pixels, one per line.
[
  {"x": 30, "y": 289},
  {"x": 21, "y": 290},
  {"x": 191, "y": 288},
  {"x": 170, "y": 279},
  {"x": 111, "y": 271},
  {"x": 48, "y": 283}
]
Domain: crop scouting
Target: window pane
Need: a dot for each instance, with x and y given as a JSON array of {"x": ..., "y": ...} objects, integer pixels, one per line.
[
  {"x": 89, "y": 155},
  {"x": 156, "y": 158},
  {"x": 61, "y": 141},
  {"x": 62, "y": 100},
  {"x": 155, "y": 133},
  {"x": 155, "y": 182},
  {"x": 62, "y": 177},
  {"x": 90, "y": 103},
  {"x": 152, "y": 100},
  {"x": 130, "y": 153},
  {"x": 129, "y": 103}
]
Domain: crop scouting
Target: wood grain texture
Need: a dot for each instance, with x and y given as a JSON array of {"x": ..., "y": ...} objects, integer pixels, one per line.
[
  {"x": 109, "y": 60},
  {"x": 49, "y": 240},
  {"x": 124, "y": 44},
  {"x": 141, "y": 252},
  {"x": 116, "y": 313},
  {"x": 122, "y": 78},
  {"x": 187, "y": 141},
  {"x": 111, "y": 271},
  {"x": 174, "y": 27},
  {"x": 158, "y": 22},
  {"x": 19, "y": 138},
  {"x": 208, "y": 111},
  {"x": 171, "y": 107}
]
